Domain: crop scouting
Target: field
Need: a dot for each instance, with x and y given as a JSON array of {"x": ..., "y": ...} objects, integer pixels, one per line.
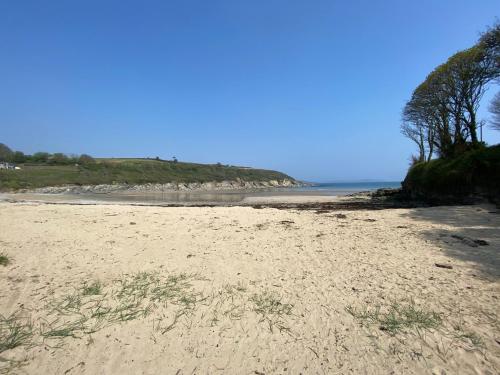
[{"x": 128, "y": 171}]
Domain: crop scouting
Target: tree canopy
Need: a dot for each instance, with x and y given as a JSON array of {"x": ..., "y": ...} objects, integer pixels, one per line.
[
  {"x": 495, "y": 110},
  {"x": 6, "y": 153},
  {"x": 441, "y": 115}
]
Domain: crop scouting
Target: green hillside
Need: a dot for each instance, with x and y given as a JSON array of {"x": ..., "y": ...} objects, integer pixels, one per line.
[{"x": 128, "y": 171}]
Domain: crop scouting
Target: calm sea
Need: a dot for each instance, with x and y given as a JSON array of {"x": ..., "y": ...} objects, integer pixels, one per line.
[
  {"x": 319, "y": 189},
  {"x": 344, "y": 188}
]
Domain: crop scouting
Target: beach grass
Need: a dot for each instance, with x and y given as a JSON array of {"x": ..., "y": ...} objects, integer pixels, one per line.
[
  {"x": 15, "y": 330},
  {"x": 271, "y": 308},
  {"x": 398, "y": 317},
  {"x": 4, "y": 260},
  {"x": 92, "y": 289}
]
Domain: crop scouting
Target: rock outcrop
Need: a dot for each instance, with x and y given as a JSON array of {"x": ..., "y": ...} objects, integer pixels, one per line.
[{"x": 169, "y": 187}]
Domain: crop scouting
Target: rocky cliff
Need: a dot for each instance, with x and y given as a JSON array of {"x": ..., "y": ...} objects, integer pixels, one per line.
[{"x": 169, "y": 187}]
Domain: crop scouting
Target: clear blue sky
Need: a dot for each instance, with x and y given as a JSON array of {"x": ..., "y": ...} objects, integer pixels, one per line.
[{"x": 311, "y": 88}]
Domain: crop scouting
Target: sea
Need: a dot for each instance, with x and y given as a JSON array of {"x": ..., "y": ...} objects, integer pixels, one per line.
[
  {"x": 332, "y": 189},
  {"x": 345, "y": 188}
]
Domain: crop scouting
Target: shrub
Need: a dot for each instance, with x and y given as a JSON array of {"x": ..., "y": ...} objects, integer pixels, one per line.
[
  {"x": 59, "y": 159},
  {"x": 476, "y": 171},
  {"x": 6, "y": 153},
  {"x": 86, "y": 159},
  {"x": 40, "y": 157},
  {"x": 19, "y": 157}
]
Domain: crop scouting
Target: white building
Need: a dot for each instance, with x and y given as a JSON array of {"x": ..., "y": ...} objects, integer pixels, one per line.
[{"x": 5, "y": 165}]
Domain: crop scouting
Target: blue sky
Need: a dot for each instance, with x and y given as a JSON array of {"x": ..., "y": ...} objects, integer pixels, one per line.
[{"x": 311, "y": 88}]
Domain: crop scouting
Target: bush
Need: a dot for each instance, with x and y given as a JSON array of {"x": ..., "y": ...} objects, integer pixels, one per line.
[
  {"x": 59, "y": 159},
  {"x": 442, "y": 180},
  {"x": 85, "y": 159},
  {"x": 40, "y": 157},
  {"x": 19, "y": 157},
  {"x": 6, "y": 153}
]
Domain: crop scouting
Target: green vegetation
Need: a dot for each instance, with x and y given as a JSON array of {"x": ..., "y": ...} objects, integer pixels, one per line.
[
  {"x": 92, "y": 289},
  {"x": 14, "y": 331},
  {"x": 44, "y": 169},
  {"x": 127, "y": 171},
  {"x": 441, "y": 118},
  {"x": 164, "y": 299},
  {"x": 272, "y": 310},
  {"x": 58, "y": 158},
  {"x": 471, "y": 339},
  {"x": 397, "y": 317},
  {"x": 4, "y": 260},
  {"x": 451, "y": 179},
  {"x": 96, "y": 306}
]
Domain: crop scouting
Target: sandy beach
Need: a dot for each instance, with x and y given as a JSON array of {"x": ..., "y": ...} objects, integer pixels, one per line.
[{"x": 104, "y": 289}]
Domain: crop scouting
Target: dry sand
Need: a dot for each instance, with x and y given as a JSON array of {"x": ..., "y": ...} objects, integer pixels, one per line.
[{"x": 238, "y": 290}]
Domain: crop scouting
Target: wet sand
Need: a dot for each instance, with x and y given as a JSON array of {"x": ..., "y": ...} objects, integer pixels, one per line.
[{"x": 215, "y": 198}]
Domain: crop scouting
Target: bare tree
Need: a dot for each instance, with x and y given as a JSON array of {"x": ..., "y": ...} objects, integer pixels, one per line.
[
  {"x": 495, "y": 110},
  {"x": 415, "y": 133}
]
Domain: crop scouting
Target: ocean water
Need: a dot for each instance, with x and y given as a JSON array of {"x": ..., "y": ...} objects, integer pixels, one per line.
[
  {"x": 227, "y": 197},
  {"x": 344, "y": 188}
]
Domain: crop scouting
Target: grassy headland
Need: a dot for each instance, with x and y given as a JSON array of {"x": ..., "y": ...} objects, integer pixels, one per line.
[{"x": 128, "y": 171}]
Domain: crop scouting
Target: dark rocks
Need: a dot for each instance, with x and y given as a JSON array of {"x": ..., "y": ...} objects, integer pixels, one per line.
[
  {"x": 168, "y": 187},
  {"x": 470, "y": 241},
  {"x": 441, "y": 265}
]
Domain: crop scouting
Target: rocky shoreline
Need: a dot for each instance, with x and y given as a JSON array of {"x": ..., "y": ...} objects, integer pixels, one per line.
[{"x": 168, "y": 187}]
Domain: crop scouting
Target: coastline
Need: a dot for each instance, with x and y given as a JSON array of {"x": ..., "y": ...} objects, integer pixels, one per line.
[
  {"x": 258, "y": 198},
  {"x": 167, "y": 187}
]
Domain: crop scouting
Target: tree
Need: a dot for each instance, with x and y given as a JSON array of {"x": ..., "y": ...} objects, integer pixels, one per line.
[
  {"x": 495, "y": 110},
  {"x": 40, "y": 157},
  {"x": 59, "y": 158},
  {"x": 19, "y": 157},
  {"x": 6, "y": 153},
  {"x": 425, "y": 120},
  {"x": 490, "y": 42},
  {"x": 442, "y": 112},
  {"x": 470, "y": 71},
  {"x": 414, "y": 130},
  {"x": 86, "y": 159}
]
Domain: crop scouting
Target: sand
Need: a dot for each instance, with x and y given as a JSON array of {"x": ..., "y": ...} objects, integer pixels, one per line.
[
  {"x": 141, "y": 199},
  {"x": 238, "y": 290}
]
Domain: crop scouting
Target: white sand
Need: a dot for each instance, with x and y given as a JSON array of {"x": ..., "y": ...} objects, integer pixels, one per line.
[{"x": 319, "y": 263}]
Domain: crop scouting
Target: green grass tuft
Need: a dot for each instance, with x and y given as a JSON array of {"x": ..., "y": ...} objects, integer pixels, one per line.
[
  {"x": 93, "y": 289},
  {"x": 270, "y": 307},
  {"x": 4, "y": 260},
  {"x": 397, "y": 318},
  {"x": 63, "y": 329},
  {"x": 15, "y": 331}
]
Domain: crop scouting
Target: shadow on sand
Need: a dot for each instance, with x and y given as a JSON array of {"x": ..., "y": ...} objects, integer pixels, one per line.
[{"x": 470, "y": 234}]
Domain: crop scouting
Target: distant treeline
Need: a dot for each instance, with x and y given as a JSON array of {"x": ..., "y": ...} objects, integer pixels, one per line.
[
  {"x": 441, "y": 116},
  {"x": 8, "y": 155}
]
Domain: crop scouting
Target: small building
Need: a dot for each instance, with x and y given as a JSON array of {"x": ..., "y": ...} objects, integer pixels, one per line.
[{"x": 5, "y": 165}]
